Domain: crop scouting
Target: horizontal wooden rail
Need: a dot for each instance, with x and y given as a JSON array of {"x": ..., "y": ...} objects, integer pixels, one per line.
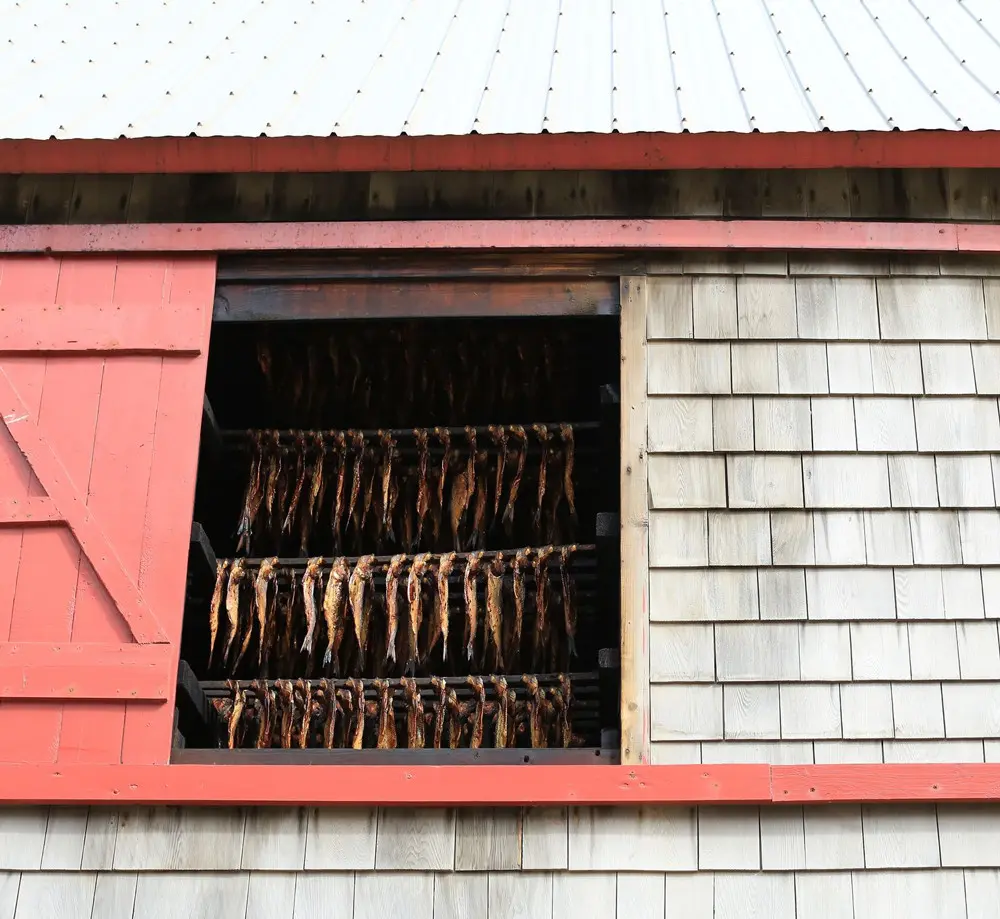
[
  {"x": 496, "y": 786},
  {"x": 424, "y": 235},
  {"x": 22, "y": 511},
  {"x": 128, "y": 672}
]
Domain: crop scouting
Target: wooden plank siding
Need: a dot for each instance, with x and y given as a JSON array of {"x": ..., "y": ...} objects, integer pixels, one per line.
[
  {"x": 106, "y": 429},
  {"x": 824, "y": 531}
]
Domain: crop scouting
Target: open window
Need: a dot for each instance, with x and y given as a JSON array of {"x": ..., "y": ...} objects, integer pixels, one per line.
[{"x": 406, "y": 531}]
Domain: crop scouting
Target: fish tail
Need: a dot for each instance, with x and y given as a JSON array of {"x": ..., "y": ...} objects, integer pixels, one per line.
[
  {"x": 469, "y": 650},
  {"x": 571, "y": 641},
  {"x": 328, "y": 656}
]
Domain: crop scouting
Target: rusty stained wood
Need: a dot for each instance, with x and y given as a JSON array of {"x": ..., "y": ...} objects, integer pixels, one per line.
[{"x": 367, "y": 300}]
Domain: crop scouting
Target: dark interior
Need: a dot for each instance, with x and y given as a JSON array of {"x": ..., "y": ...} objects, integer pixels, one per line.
[{"x": 300, "y": 382}]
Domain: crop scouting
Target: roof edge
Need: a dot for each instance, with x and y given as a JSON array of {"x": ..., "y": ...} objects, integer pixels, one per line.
[{"x": 503, "y": 153}]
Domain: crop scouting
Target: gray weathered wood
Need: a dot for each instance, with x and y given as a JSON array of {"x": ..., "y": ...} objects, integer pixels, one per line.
[
  {"x": 378, "y": 896},
  {"x": 835, "y": 307},
  {"x": 963, "y": 592},
  {"x": 936, "y": 539},
  {"x": 885, "y": 424},
  {"x": 415, "y": 839},
  {"x": 545, "y": 838},
  {"x": 840, "y": 537},
  {"x": 782, "y": 591},
  {"x": 802, "y": 369},
  {"x": 793, "y": 539},
  {"x": 866, "y": 710},
  {"x": 690, "y": 895},
  {"x": 64, "y": 839},
  {"x": 782, "y": 424},
  {"x": 728, "y": 838},
  {"x": 833, "y": 837},
  {"x": 675, "y": 753},
  {"x": 686, "y": 712},
  {"x": 584, "y": 896},
  {"x": 947, "y": 369},
  {"x": 788, "y": 753},
  {"x": 751, "y": 711},
  {"x": 732, "y": 424},
  {"x": 341, "y": 839},
  {"x": 956, "y": 424},
  {"x": 823, "y": 893},
  {"x": 765, "y": 307},
  {"x": 880, "y": 651},
  {"x": 965, "y": 481},
  {"x": 99, "y": 843},
  {"x": 933, "y": 650},
  {"x": 755, "y": 367},
  {"x": 896, "y": 369},
  {"x": 980, "y": 537},
  {"x": 193, "y": 895},
  {"x": 824, "y": 651},
  {"x": 633, "y": 839},
  {"x": 757, "y": 651},
  {"x": 520, "y": 896},
  {"x": 115, "y": 897},
  {"x": 714, "y": 307},
  {"x": 669, "y": 309},
  {"x": 878, "y": 894},
  {"x": 969, "y": 835},
  {"x": 934, "y": 751},
  {"x": 782, "y": 839},
  {"x": 680, "y": 368},
  {"x": 704, "y": 594},
  {"x": 488, "y": 839},
  {"x": 677, "y": 481},
  {"x": 22, "y": 838},
  {"x": 901, "y": 836},
  {"x": 828, "y": 752},
  {"x": 982, "y": 893},
  {"x": 971, "y": 709},
  {"x": 833, "y": 424},
  {"x": 9, "y": 883},
  {"x": 271, "y": 895},
  {"x": 678, "y": 425},
  {"x": 850, "y": 366},
  {"x": 845, "y": 594},
  {"x": 457, "y": 896},
  {"x": 275, "y": 839},
  {"x": 913, "y": 309},
  {"x": 331, "y": 892},
  {"x": 986, "y": 362},
  {"x": 917, "y": 710},
  {"x": 677, "y": 539},
  {"x": 887, "y": 538},
  {"x": 758, "y": 895},
  {"x": 681, "y": 653},
  {"x": 846, "y": 481},
  {"x": 809, "y": 711},
  {"x": 176, "y": 839},
  {"x": 913, "y": 481},
  {"x": 45, "y": 895},
  {"x": 764, "y": 480},
  {"x": 739, "y": 539},
  {"x": 640, "y": 895},
  {"x": 919, "y": 593},
  {"x": 978, "y": 650}
]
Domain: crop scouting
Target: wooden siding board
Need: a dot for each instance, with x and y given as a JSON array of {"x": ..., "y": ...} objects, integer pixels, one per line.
[
  {"x": 978, "y": 650},
  {"x": 866, "y": 710},
  {"x": 917, "y": 710},
  {"x": 644, "y": 838},
  {"x": 488, "y": 840},
  {"x": 754, "y": 367},
  {"x": 802, "y": 369},
  {"x": 171, "y": 839},
  {"x": 545, "y": 838},
  {"x": 275, "y": 839},
  {"x": 681, "y": 652},
  {"x": 751, "y": 712},
  {"x": 824, "y": 893},
  {"x": 731, "y": 424},
  {"x": 858, "y": 481},
  {"x": 947, "y": 369},
  {"x": 377, "y": 896},
  {"x": 901, "y": 836},
  {"x": 520, "y": 896},
  {"x": 194, "y": 895},
  {"x": 878, "y": 894},
  {"x": 335, "y": 891},
  {"x": 729, "y": 838},
  {"x": 933, "y": 751},
  {"x": 782, "y": 839},
  {"x": 114, "y": 897},
  {"x": 23, "y": 838},
  {"x": 584, "y": 896},
  {"x": 739, "y": 895},
  {"x": 55, "y": 895},
  {"x": 834, "y": 838},
  {"x": 782, "y": 592},
  {"x": 793, "y": 541},
  {"x": 10, "y": 881},
  {"x": 703, "y": 594},
  {"x": 457, "y": 896},
  {"x": 933, "y": 650},
  {"x": 757, "y": 652},
  {"x": 271, "y": 895},
  {"x": 640, "y": 895},
  {"x": 825, "y": 651},
  {"x": 849, "y": 594},
  {"x": 669, "y": 309},
  {"x": 341, "y": 839},
  {"x": 690, "y": 895},
  {"x": 982, "y": 893},
  {"x": 411, "y": 839},
  {"x": 65, "y": 834},
  {"x": 99, "y": 842},
  {"x": 773, "y": 480},
  {"x": 694, "y": 481},
  {"x": 678, "y": 425},
  {"x": 765, "y": 307},
  {"x": 913, "y": 309},
  {"x": 809, "y": 711},
  {"x": 969, "y": 835},
  {"x": 714, "y": 307}
]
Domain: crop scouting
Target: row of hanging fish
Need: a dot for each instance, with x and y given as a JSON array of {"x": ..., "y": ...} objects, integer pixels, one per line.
[
  {"x": 340, "y": 488},
  {"x": 321, "y": 714},
  {"x": 405, "y": 373},
  {"x": 332, "y": 619}
]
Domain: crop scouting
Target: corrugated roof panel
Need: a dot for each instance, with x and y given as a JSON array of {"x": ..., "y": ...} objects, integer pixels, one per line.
[
  {"x": 769, "y": 85},
  {"x": 707, "y": 91},
  {"x": 161, "y": 68},
  {"x": 645, "y": 98},
  {"x": 514, "y": 101},
  {"x": 906, "y": 102},
  {"x": 454, "y": 87},
  {"x": 832, "y": 86},
  {"x": 580, "y": 91}
]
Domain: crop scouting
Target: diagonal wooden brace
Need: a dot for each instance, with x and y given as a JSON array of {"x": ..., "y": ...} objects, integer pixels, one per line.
[{"x": 94, "y": 544}]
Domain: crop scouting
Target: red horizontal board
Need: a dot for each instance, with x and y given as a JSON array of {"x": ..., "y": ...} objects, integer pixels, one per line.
[
  {"x": 41, "y": 670},
  {"x": 908, "y": 782},
  {"x": 387, "y": 785},
  {"x": 590, "y": 235},
  {"x": 21, "y": 511},
  {"x": 803, "y": 150}
]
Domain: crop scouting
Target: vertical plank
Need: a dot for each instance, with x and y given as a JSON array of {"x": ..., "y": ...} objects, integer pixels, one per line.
[
  {"x": 65, "y": 834},
  {"x": 740, "y": 895},
  {"x": 583, "y": 896},
  {"x": 179, "y": 839},
  {"x": 458, "y": 896},
  {"x": 170, "y": 498},
  {"x": 415, "y": 839},
  {"x": 640, "y": 839},
  {"x": 635, "y": 731},
  {"x": 193, "y": 895},
  {"x": 691, "y": 896},
  {"x": 99, "y": 843},
  {"x": 275, "y": 839},
  {"x": 23, "y": 837},
  {"x": 333, "y": 893},
  {"x": 341, "y": 838},
  {"x": 640, "y": 895},
  {"x": 488, "y": 839},
  {"x": 115, "y": 896},
  {"x": 271, "y": 895},
  {"x": 55, "y": 896},
  {"x": 10, "y": 881},
  {"x": 378, "y": 896},
  {"x": 545, "y": 838},
  {"x": 520, "y": 896}
]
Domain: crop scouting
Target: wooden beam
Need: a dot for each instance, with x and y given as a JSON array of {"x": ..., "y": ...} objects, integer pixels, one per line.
[
  {"x": 383, "y": 300},
  {"x": 127, "y": 672},
  {"x": 466, "y": 235},
  {"x": 24, "y": 511},
  {"x": 804, "y": 150},
  {"x": 635, "y": 731},
  {"x": 907, "y": 782},
  {"x": 422, "y": 786}
]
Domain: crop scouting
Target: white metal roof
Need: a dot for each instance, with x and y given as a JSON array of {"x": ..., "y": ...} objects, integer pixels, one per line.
[{"x": 172, "y": 68}]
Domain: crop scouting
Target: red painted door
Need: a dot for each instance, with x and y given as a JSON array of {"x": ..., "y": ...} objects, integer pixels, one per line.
[{"x": 102, "y": 376}]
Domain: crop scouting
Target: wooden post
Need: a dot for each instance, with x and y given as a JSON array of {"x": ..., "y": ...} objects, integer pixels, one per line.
[{"x": 635, "y": 526}]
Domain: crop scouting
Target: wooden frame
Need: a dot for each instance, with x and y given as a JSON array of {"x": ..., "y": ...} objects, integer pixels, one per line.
[
  {"x": 627, "y": 785},
  {"x": 911, "y": 149}
]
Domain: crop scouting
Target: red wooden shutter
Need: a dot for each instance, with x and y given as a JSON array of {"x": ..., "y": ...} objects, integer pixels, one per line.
[{"x": 102, "y": 375}]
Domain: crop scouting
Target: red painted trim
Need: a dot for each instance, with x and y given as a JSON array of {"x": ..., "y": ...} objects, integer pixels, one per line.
[
  {"x": 909, "y": 782},
  {"x": 387, "y": 785},
  {"x": 496, "y": 786},
  {"x": 39, "y": 670},
  {"x": 22, "y": 511},
  {"x": 588, "y": 235},
  {"x": 876, "y": 149}
]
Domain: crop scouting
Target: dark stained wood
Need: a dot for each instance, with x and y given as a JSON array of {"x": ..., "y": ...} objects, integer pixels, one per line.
[
  {"x": 402, "y": 299},
  {"x": 582, "y": 756}
]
